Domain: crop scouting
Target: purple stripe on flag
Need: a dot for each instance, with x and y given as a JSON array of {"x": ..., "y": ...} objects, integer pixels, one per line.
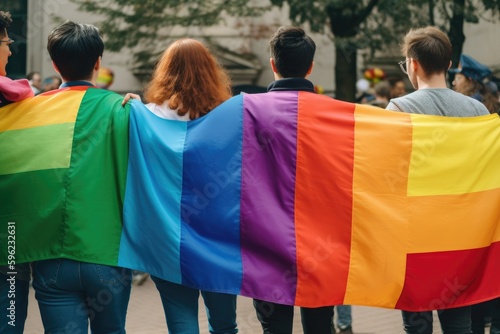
[{"x": 267, "y": 196}]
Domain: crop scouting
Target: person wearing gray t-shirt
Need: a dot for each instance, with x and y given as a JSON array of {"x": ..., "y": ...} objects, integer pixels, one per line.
[{"x": 428, "y": 57}]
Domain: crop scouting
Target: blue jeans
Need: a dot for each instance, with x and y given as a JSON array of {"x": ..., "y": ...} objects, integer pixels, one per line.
[
  {"x": 72, "y": 293},
  {"x": 344, "y": 317},
  {"x": 13, "y": 304},
  {"x": 453, "y": 321},
  {"x": 180, "y": 304}
]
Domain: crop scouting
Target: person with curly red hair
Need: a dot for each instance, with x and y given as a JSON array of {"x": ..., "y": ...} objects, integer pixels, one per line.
[{"x": 187, "y": 83}]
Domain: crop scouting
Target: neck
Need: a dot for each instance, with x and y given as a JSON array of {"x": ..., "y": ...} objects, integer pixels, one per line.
[{"x": 433, "y": 81}]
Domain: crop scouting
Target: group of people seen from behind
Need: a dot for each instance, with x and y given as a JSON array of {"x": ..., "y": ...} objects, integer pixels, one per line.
[{"x": 187, "y": 84}]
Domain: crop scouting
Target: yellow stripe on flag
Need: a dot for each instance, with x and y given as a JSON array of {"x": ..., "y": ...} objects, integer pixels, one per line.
[
  {"x": 41, "y": 110},
  {"x": 379, "y": 223},
  {"x": 453, "y": 155}
]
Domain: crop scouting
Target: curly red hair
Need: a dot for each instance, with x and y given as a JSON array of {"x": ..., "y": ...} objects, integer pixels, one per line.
[{"x": 190, "y": 78}]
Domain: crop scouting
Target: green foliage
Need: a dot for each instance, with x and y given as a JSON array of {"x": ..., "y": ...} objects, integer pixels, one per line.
[{"x": 144, "y": 26}]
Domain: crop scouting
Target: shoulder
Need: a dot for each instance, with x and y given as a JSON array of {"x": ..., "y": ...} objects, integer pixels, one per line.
[
  {"x": 15, "y": 90},
  {"x": 397, "y": 103}
]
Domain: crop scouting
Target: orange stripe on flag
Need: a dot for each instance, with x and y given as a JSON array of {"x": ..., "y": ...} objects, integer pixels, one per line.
[
  {"x": 379, "y": 226},
  {"x": 323, "y": 185},
  {"x": 435, "y": 228},
  {"x": 31, "y": 113}
]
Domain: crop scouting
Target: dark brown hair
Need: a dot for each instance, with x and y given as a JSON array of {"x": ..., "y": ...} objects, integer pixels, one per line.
[
  {"x": 480, "y": 92},
  {"x": 5, "y": 22},
  {"x": 292, "y": 51}
]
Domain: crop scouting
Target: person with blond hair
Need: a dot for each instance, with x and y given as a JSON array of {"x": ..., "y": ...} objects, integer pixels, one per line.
[
  {"x": 188, "y": 83},
  {"x": 427, "y": 54}
]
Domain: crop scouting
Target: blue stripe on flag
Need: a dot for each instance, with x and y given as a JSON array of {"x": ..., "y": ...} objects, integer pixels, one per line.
[{"x": 207, "y": 241}]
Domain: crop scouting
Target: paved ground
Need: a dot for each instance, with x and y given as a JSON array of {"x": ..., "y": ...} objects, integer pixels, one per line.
[{"x": 145, "y": 316}]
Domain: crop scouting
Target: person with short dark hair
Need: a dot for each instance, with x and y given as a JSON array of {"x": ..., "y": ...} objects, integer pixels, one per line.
[
  {"x": 71, "y": 294},
  {"x": 51, "y": 83},
  {"x": 427, "y": 54},
  {"x": 397, "y": 84},
  {"x": 35, "y": 80},
  {"x": 12, "y": 91},
  {"x": 292, "y": 60}
]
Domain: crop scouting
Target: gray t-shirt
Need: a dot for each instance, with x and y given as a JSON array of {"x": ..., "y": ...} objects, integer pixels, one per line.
[{"x": 438, "y": 101}]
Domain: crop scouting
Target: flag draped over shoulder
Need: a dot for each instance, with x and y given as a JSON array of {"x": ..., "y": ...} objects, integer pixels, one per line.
[
  {"x": 63, "y": 163},
  {"x": 289, "y": 197}
]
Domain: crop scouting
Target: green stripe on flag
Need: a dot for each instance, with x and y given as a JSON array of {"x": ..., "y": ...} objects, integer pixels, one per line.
[
  {"x": 54, "y": 140},
  {"x": 97, "y": 173},
  {"x": 38, "y": 236}
]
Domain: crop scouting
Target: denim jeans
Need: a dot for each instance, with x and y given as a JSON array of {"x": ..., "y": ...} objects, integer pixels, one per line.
[
  {"x": 72, "y": 293},
  {"x": 453, "y": 321},
  {"x": 344, "y": 318},
  {"x": 13, "y": 315},
  {"x": 180, "y": 304},
  {"x": 278, "y": 319}
]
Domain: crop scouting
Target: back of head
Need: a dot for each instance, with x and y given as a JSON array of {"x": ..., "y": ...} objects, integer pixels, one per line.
[
  {"x": 431, "y": 47},
  {"x": 5, "y": 22},
  {"x": 383, "y": 89},
  {"x": 190, "y": 78},
  {"x": 292, "y": 51},
  {"x": 75, "y": 48}
]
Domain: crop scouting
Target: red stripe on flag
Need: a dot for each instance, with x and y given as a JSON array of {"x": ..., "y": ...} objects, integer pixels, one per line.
[
  {"x": 470, "y": 275},
  {"x": 323, "y": 199}
]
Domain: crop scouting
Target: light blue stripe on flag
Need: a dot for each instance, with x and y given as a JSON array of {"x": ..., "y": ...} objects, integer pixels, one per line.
[{"x": 153, "y": 195}]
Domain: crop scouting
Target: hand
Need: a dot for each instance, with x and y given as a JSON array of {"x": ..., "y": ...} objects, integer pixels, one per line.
[{"x": 129, "y": 96}]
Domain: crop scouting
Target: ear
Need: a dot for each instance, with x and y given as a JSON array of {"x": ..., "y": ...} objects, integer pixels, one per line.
[
  {"x": 415, "y": 64},
  {"x": 449, "y": 66},
  {"x": 309, "y": 71},
  {"x": 55, "y": 68},
  {"x": 97, "y": 65},
  {"x": 273, "y": 65}
]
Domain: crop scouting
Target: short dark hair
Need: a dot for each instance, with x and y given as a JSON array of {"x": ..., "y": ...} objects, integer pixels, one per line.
[
  {"x": 5, "y": 22},
  {"x": 30, "y": 75},
  {"x": 431, "y": 47},
  {"x": 75, "y": 48},
  {"x": 292, "y": 51}
]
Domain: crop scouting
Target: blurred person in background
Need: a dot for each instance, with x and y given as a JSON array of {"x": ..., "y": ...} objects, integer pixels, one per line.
[
  {"x": 51, "y": 83},
  {"x": 473, "y": 79},
  {"x": 35, "y": 80},
  {"x": 398, "y": 87}
]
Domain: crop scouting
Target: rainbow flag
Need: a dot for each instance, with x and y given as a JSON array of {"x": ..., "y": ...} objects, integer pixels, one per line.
[{"x": 289, "y": 197}]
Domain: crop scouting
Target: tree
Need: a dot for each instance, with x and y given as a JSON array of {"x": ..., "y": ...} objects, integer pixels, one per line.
[
  {"x": 144, "y": 26},
  {"x": 354, "y": 25},
  {"x": 348, "y": 22},
  {"x": 456, "y": 13}
]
